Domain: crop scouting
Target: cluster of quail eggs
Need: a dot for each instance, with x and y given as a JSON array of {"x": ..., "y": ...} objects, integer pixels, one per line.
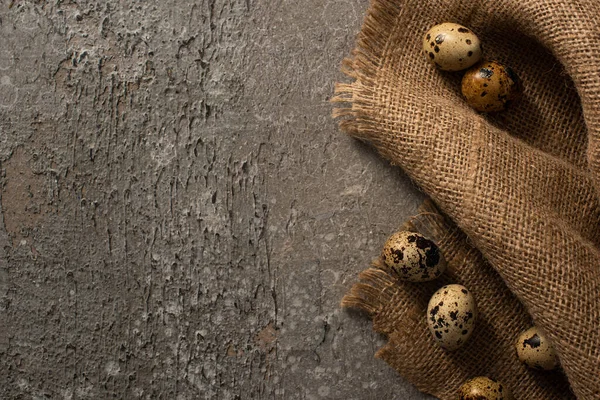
[
  {"x": 488, "y": 86},
  {"x": 452, "y": 311}
]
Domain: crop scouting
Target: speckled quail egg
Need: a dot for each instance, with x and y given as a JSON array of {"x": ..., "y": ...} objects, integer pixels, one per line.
[
  {"x": 490, "y": 86},
  {"x": 535, "y": 350},
  {"x": 451, "y": 315},
  {"x": 484, "y": 388},
  {"x": 451, "y": 47},
  {"x": 413, "y": 257}
]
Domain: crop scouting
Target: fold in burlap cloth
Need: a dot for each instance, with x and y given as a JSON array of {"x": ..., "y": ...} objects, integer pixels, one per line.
[{"x": 521, "y": 186}]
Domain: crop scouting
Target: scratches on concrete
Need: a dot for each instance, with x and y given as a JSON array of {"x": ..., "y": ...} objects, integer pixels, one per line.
[
  {"x": 23, "y": 197},
  {"x": 192, "y": 214}
]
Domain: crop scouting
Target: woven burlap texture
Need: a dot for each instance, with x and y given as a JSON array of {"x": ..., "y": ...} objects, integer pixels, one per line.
[{"x": 521, "y": 187}]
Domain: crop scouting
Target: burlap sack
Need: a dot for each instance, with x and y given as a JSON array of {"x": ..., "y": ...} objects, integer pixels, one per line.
[{"x": 521, "y": 186}]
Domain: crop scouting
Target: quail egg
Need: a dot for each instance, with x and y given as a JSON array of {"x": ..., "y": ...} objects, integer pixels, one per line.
[
  {"x": 451, "y": 47},
  {"x": 490, "y": 86},
  {"x": 484, "y": 388},
  {"x": 451, "y": 315},
  {"x": 413, "y": 257},
  {"x": 535, "y": 350}
]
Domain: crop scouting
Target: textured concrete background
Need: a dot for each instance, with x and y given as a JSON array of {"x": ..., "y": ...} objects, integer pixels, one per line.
[{"x": 180, "y": 215}]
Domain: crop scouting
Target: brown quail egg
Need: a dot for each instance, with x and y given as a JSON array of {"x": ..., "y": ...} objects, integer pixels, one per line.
[
  {"x": 451, "y": 47},
  {"x": 413, "y": 257},
  {"x": 490, "y": 86},
  {"x": 451, "y": 315},
  {"x": 535, "y": 350},
  {"x": 483, "y": 388}
]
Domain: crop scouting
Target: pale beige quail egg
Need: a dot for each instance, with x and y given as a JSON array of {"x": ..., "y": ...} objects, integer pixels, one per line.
[
  {"x": 484, "y": 388},
  {"x": 535, "y": 350},
  {"x": 451, "y": 315},
  {"x": 413, "y": 257},
  {"x": 451, "y": 47}
]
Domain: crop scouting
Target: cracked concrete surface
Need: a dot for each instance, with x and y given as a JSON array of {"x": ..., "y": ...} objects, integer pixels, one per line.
[{"x": 180, "y": 214}]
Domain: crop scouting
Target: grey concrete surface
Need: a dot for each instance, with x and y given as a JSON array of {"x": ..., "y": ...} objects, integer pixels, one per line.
[{"x": 180, "y": 214}]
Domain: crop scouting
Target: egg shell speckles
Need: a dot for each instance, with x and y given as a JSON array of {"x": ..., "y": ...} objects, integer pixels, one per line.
[
  {"x": 490, "y": 86},
  {"x": 413, "y": 257},
  {"x": 451, "y": 316},
  {"x": 535, "y": 350},
  {"x": 484, "y": 388},
  {"x": 451, "y": 47}
]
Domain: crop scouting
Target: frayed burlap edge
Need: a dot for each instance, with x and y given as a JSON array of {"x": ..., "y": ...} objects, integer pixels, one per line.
[{"x": 362, "y": 67}]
